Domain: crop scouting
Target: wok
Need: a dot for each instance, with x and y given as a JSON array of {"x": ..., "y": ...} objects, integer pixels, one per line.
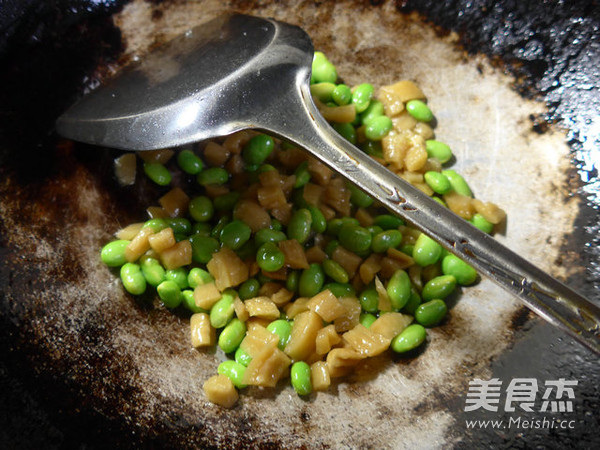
[{"x": 515, "y": 91}]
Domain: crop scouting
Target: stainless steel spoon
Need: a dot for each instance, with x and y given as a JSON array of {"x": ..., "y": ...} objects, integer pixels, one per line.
[{"x": 239, "y": 72}]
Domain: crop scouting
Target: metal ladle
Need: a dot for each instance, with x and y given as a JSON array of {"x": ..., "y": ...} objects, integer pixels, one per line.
[{"x": 240, "y": 72}]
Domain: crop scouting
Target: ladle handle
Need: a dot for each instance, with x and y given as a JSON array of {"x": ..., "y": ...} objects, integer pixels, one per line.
[{"x": 551, "y": 299}]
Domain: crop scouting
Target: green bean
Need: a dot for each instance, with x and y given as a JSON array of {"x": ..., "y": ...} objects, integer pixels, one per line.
[
  {"x": 132, "y": 278},
  {"x": 268, "y": 235},
  {"x": 361, "y": 97},
  {"x": 235, "y": 234},
  {"x": 179, "y": 276},
  {"x": 156, "y": 224},
  {"x": 318, "y": 221},
  {"x": 482, "y": 223},
  {"x": 198, "y": 277},
  {"x": 358, "y": 197},
  {"x": 431, "y": 313},
  {"x": 269, "y": 258},
  {"x": 291, "y": 282},
  {"x": 426, "y": 251},
  {"x": 409, "y": 339},
  {"x": 179, "y": 225},
  {"x": 113, "y": 253},
  {"x": 463, "y": 272},
  {"x": 439, "y": 150},
  {"x": 299, "y": 225},
  {"x": 234, "y": 371},
  {"x": 157, "y": 173},
  {"x": 458, "y": 183},
  {"x": 153, "y": 271},
  {"x": 341, "y": 95},
  {"x": 258, "y": 149},
  {"x": 335, "y": 271},
  {"x": 212, "y": 175},
  {"x": 203, "y": 248},
  {"x": 385, "y": 240},
  {"x": 283, "y": 329},
  {"x": 375, "y": 109},
  {"x": 322, "y": 91},
  {"x": 439, "y": 287},
  {"x": 249, "y": 289},
  {"x": 340, "y": 289},
  {"x": 419, "y": 110},
  {"x": 226, "y": 202},
  {"x": 388, "y": 222},
  {"x": 372, "y": 148},
  {"x": 232, "y": 335},
  {"x": 302, "y": 175},
  {"x": 170, "y": 293},
  {"x": 187, "y": 299},
  {"x": 189, "y": 162},
  {"x": 347, "y": 131},
  {"x": 413, "y": 302},
  {"x": 222, "y": 311},
  {"x": 242, "y": 357},
  {"x": 378, "y": 127},
  {"x": 369, "y": 300},
  {"x": 398, "y": 289},
  {"x": 355, "y": 238},
  {"x": 438, "y": 182},
  {"x": 311, "y": 280},
  {"x": 367, "y": 319},
  {"x": 300, "y": 376},
  {"x": 335, "y": 225}
]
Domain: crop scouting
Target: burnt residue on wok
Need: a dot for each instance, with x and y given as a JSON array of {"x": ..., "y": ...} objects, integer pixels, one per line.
[{"x": 50, "y": 50}]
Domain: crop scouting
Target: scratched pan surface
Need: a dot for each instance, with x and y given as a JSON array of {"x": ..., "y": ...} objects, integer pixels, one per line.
[{"x": 85, "y": 365}]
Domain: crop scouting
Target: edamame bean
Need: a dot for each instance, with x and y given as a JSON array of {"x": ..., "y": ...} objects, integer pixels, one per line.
[
  {"x": 355, "y": 238},
  {"x": 269, "y": 258},
  {"x": 232, "y": 335},
  {"x": 463, "y": 272},
  {"x": 157, "y": 173},
  {"x": 258, "y": 149},
  {"x": 283, "y": 329},
  {"x": 187, "y": 299},
  {"x": 153, "y": 271},
  {"x": 413, "y": 302},
  {"x": 482, "y": 223},
  {"x": 431, "y": 313},
  {"x": 300, "y": 377},
  {"x": 361, "y": 97},
  {"x": 156, "y": 224},
  {"x": 347, "y": 131},
  {"x": 374, "y": 110},
  {"x": 398, "y": 289},
  {"x": 235, "y": 234},
  {"x": 409, "y": 339},
  {"x": 226, "y": 202},
  {"x": 203, "y": 248},
  {"x": 276, "y": 225},
  {"x": 291, "y": 283},
  {"x": 198, "y": 277},
  {"x": 318, "y": 221},
  {"x": 335, "y": 225},
  {"x": 340, "y": 289},
  {"x": 249, "y": 289},
  {"x": 458, "y": 183},
  {"x": 212, "y": 175},
  {"x": 322, "y": 91},
  {"x": 372, "y": 148},
  {"x": 323, "y": 71},
  {"x": 335, "y": 271},
  {"x": 180, "y": 225},
  {"x": 439, "y": 150},
  {"x": 438, "y": 182},
  {"x": 330, "y": 247},
  {"x": 385, "y": 240},
  {"x": 374, "y": 230},
  {"x": 358, "y": 197},
  {"x": 299, "y": 225},
  {"x": 222, "y": 311},
  {"x": 302, "y": 175},
  {"x": 169, "y": 293},
  {"x": 367, "y": 319},
  {"x": 234, "y": 371},
  {"x": 216, "y": 231},
  {"x": 438, "y": 287},
  {"x": 369, "y": 300},
  {"x": 388, "y": 222},
  {"x": 242, "y": 357},
  {"x": 419, "y": 110},
  {"x": 179, "y": 276},
  {"x": 201, "y": 209},
  {"x": 268, "y": 235},
  {"x": 311, "y": 280},
  {"x": 426, "y": 251},
  {"x": 341, "y": 95},
  {"x": 132, "y": 278},
  {"x": 189, "y": 162},
  {"x": 378, "y": 127},
  {"x": 113, "y": 253}
]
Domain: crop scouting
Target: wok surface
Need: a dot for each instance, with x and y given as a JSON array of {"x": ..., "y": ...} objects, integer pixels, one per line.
[{"x": 97, "y": 368}]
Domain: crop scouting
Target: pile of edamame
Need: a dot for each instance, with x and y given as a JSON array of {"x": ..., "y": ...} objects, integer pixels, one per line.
[{"x": 352, "y": 246}]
